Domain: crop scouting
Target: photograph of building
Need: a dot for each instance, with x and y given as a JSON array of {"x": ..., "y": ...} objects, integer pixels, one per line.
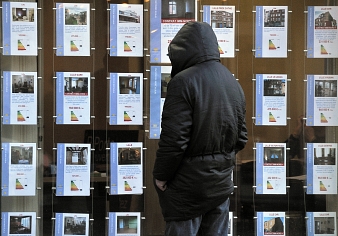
[
  {"x": 222, "y": 19},
  {"x": 274, "y": 226},
  {"x": 274, "y": 18}
]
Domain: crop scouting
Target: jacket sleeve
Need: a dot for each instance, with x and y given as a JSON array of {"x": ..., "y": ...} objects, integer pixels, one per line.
[
  {"x": 176, "y": 126},
  {"x": 242, "y": 130},
  {"x": 242, "y": 139}
]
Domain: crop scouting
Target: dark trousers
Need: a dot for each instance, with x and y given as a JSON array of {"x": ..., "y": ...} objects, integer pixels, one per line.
[{"x": 213, "y": 223}]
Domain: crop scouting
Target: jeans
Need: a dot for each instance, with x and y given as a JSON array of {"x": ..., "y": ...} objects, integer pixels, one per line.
[{"x": 212, "y": 223}]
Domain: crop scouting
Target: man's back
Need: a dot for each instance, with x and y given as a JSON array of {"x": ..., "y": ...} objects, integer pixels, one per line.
[{"x": 218, "y": 105}]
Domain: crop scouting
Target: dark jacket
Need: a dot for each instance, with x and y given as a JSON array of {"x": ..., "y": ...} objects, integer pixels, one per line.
[{"x": 203, "y": 126}]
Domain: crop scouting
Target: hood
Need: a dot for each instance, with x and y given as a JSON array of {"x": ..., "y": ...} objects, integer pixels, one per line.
[{"x": 194, "y": 43}]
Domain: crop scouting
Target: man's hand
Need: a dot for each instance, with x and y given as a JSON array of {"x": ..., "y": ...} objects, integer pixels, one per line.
[
  {"x": 298, "y": 130},
  {"x": 162, "y": 185},
  {"x": 309, "y": 134}
]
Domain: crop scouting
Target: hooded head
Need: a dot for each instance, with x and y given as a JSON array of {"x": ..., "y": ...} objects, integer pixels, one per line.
[{"x": 194, "y": 43}]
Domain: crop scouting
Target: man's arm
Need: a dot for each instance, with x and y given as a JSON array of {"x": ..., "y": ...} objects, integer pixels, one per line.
[
  {"x": 242, "y": 132},
  {"x": 175, "y": 135}
]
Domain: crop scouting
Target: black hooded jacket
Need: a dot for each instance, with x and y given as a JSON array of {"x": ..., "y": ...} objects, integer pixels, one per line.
[{"x": 203, "y": 126}]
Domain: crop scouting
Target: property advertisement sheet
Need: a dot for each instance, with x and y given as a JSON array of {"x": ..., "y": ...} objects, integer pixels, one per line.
[
  {"x": 72, "y": 29},
  {"x": 18, "y": 169},
  {"x": 159, "y": 79},
  {"x": 222, "y": 20},
  {"x": 18, "y": 223},
  {"x": 321, "y": 106},
  {"x": 231, "y": 224},
  {"x": 73, "y": 169},
  {"x": 19, "y": 98},
  {"x": 124, "y": 223},
  {"x": 321, "y": 223},
  {"x": 166, "y": 19},
  {"x": 321, "y": 168},
  {"x": 72, "y": 98},
  {"x": 126, "y": 168},
  {"x": 126, "y": 30},
  {"x": 271, "y": 31},
  {"x": 126, "y": 99},
  {"x": 71, "y": 224},
  {"x": 270, "y": 223},
  {"x": 271, "y": 94},
  {"x": 271, "y": 168},
  {"x": 322, "y": 34},
  {"x": 19, "y": 28}
]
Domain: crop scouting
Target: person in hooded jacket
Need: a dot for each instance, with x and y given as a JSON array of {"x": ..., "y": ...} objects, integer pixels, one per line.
[{"x": 203, "y": 127}]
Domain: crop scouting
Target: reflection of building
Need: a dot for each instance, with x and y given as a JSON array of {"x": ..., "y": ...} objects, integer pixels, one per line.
[
  {"x": 274, "y": 225},
  {"x": 222, "y": 19},
  {"x": 274, "y": 18},
  {"x": 128, "y": 16},
  {"x": 325, "y": 20},
  {"x": 326, "y": 88}
]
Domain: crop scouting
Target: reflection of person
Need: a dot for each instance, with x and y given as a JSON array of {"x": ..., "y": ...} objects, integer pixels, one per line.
[
  {"x": 311, "y": 134},
  {"x": 47, "y": 161},
  {"x": 203, "y": 127}
]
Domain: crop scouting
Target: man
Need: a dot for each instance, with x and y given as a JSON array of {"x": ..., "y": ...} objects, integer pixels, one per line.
[{"x": 203, "y": 127}]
